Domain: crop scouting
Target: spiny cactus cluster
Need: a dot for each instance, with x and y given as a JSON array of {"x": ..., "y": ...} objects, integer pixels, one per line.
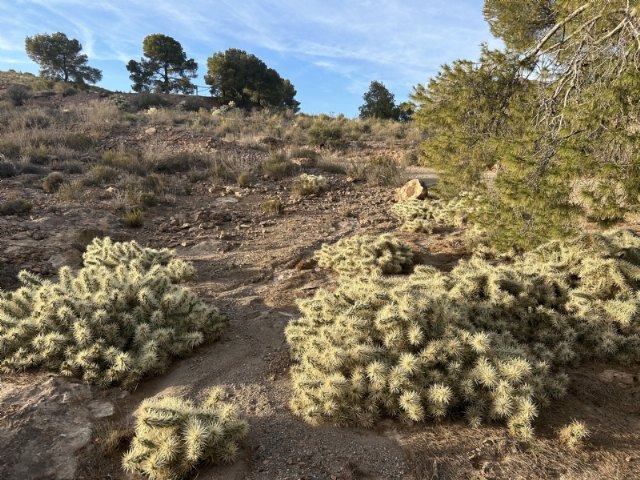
[
  {"x": 120, "y": 317},
  {"x": 490, "y": 341},
  {"x": 366, "y": 255},
  {"x": 422, "y": 216},
  {"x": 173, "y": 436},
  {"x": 309, "y": 184}
]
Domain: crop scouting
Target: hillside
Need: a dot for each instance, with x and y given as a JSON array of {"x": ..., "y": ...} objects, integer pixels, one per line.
[{"x": 223, "y": 188}]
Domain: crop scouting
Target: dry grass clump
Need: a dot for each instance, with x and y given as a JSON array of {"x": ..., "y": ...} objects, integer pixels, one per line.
[
  {"x": 101, "y": 175},
  {"x": 490, "y": 341},
  {"x": 7, "y": 168},
  {"x": 133, "y": 218},
  {"x": 128, "y": 161},
  {"x": 273, "y": 206},
  {"x": 382, "y": 171},
  {"x": 366, "y": 255},
  {"x": 173, "y": 436},
  {"x": 72, "y": 191},
  {"x": 307, "y": 185},
  {"x": 15, "y": 205},
  {"x": 122, "y": 316},
  {"x": 277, "y": 166}
]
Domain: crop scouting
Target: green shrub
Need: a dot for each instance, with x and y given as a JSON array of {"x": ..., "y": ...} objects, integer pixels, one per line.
[
  {"x": 101, "y": 175},
  {"x": 128, "y": 161},
  {"x": 245, "y": 179},
  {"x": 366, "y": 255},
  {"x": 15, "y": 205},
  {"x": 176, "y": 162},
  {"x": 7, "y": 168},
  {"x": 491, "y": 341},
  {"x": 17, "y": 95},
  {"x": 309, "y": 185},
  {"x": 38, "y": 154},
  {"x": 273, "y": 206},
  {"x": 122, "y": 316},
  {"x": 173, "y": 436},
  {"x": 52, "y": 182},
  {"x": 326, "y": 134},
  {"x": 9, "y": 150},
  {"x": 133, "y": 218},
  {"x": 193, "y": 104},
  {"x": 277, "y": 166},
  {"x": 78, "y": 141}
]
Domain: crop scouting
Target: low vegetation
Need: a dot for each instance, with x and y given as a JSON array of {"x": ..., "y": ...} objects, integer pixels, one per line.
[
  {"x": 122, "y": 316},
  {"x": 173, "y": 436},
  {"x": 491, "y": 341}
]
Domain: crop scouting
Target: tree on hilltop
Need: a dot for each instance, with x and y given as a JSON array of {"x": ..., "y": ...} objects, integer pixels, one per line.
[
  {"x": 165, "y": 68},
  {"x": 59, "y": 58},
  {"x": 241, "y": 77},
  {"x": 379, "y": 102}
]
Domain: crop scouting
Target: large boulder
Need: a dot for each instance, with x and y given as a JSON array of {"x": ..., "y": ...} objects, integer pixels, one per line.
[{"x": 414, "y": 189}]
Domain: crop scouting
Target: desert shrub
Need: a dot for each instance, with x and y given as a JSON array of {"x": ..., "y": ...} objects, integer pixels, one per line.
[
  {"x": 490, "y": 341},
  {"x": 366, "y": 255},
  {"x": 133, "y": 218},
  {"x": 273, "y": 206},
  {"x": 573, "y": 434},
  {"x": 120, "y": 317},
  {"x": 277, "y": 166},
  {"x": 309, "y": 185},
  {"x": 325, "y": 133},
  {"x": 7, "y": 168},
  {"x": 143, "y": 101},
  {"x": 331, "y": 166},
  {"x": 173, "y": 436},
  {"x": 101, "y": 175},
  {"x": 17, "y": 95},
  {"x": 33, "y": 119},
  {"x": 383, "y": 171},
  {"x": 78, "y": 141},
  {"x": 170, "y": 162},
  {"x": 9, "y": 150},
  {"x": 15, "y": 205},
  {"x": 245, "y": 179},
  {"x": 72, "y": 191},
  {"x": 38, "y": 154},
  {"x": 68, "y": 166},
  {"x": 128, "y": 161},
  {"x": 52, "y": 182},
  {"x": 154, "y": 183},
  {"x": 193, "y": 104}
]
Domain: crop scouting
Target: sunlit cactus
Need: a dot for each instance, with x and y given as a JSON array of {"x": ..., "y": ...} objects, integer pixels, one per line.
[
  {"x": 422, "y": 216},
  {"x": 173, "y": 436},
  {"x": 367, "y": 255},
  {"x": 491, "y": 340},
  {"x": 120, "y": 317}
]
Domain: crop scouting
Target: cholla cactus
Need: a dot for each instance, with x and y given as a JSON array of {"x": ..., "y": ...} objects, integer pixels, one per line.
[
  {"x": 574, "y": 434},
  {"x": 425, "y": 215},
  {"x": 173, "y": 436},
  {"x": 123, "y": 315},
  {"x": 490, "y": 340},
  {"x": 366, "y": 255},
  {"x": 309, "y": 184}
]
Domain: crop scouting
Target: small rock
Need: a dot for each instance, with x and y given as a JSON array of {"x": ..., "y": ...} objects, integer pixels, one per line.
[
  {"x": 150, "y": 131},
  {"x": 414, "y": 189}
]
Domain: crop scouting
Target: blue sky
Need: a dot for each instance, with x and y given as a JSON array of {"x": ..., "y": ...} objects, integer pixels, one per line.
[{"x": 330, "y": 49}]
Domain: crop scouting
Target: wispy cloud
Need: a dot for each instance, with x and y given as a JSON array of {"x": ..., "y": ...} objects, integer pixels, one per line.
[{"x": 399, "y": 42}]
